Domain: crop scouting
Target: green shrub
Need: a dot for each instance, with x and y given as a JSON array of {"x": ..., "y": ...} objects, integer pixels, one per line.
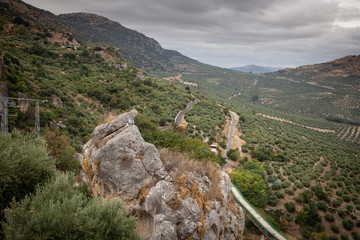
[
  {"x": 24, "y": 163},
  {"x": 342, "y": 213},
  {"x": 348, "y": 224},
  {"x": 59, "y": 210},
  {"x": 329, "y": 217},
  {"x": 252, "y": 186},
  {"x": 243, "y": 160},
  {"x": 299, "y": 185},
  {"x": 355, "y": 235},
  {"x": 233, "y": 154},
  {"x": 347, "y": 198},
  {"x": 279, "y": 194},
  {"x": 273, "y": 200},
  {"x": 290, "y": 206},
  {"x": 322, "y": 206},
  {"x": 59, "y": 147},
  {"x": 344, "y": 237},
  {"x": 244, "y": 149},
  {"x": 335, "y": 228},
  {"x": 289, "y": 192},
  {"x": 337, "y": 202},
  {"x": 285, "y": 184},
  {"x": 349, "y": 207},
  {"x": 309, "y": 216},
  {"x": 67, "y": 160}
]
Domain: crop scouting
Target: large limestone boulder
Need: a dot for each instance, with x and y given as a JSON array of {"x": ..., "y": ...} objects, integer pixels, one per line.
[
  {"x": 176, "y": 203},
  {"x": 123, "y": 161}
]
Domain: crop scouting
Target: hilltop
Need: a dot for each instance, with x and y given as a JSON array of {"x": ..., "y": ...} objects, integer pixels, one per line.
[
  {"x": 346, "y": 67},
  {"x": 255, "y": 69}
]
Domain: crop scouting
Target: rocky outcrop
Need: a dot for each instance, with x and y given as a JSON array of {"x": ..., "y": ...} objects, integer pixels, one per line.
[
  {"x": 56, "y": 101},
  {"x": 170, "y": 201},
  {"x": 124, "y": 161},
  {"x": 57, "y": 125},
  {"x": 140, "y": 76},
  {"x": 121, "y": 66}
]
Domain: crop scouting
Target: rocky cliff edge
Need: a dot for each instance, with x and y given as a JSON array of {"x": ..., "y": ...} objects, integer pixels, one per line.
[{"x": 173, "y": 197}]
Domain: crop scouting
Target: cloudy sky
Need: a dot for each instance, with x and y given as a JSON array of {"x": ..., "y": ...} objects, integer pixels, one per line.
[{"x": 231, "y": 33}]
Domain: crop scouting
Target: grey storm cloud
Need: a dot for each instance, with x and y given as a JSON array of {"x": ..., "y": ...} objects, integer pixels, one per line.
[{"x": 232, "y": 33}]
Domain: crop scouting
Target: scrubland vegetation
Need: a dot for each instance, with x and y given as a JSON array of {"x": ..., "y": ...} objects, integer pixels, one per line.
[
  {"x": 42, "y": 203},
  {"x": 311, "y": 175}
]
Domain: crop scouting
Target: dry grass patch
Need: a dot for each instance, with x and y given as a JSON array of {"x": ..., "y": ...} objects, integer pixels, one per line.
[
  {"x": 175, "y": 204},
  {"x": 188, "y": 172},
  {"x": 144, "y": 191}
]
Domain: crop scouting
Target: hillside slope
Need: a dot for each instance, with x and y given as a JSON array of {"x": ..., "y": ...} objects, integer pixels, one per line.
[{"x": 141, "y": 50}]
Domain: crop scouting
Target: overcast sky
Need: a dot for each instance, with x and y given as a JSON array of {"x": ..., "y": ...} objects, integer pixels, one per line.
[{"x": 232, "y": 33}]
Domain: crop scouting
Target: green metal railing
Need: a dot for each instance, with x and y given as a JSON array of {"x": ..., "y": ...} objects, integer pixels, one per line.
[{"x": 252, "y": 208}]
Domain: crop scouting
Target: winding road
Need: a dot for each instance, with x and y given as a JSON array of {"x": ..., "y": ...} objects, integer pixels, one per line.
[
  {"x": 182, "y": 112},
  {"x": 231, "y": 132},
  {"x": 268, "y": 230},
  {"x": 180, "y": 115}
]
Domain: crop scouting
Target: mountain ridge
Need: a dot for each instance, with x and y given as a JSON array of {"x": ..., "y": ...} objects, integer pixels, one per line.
[
  {"x": 143, "y": 51},
  {"x": 252, "y": 68}
]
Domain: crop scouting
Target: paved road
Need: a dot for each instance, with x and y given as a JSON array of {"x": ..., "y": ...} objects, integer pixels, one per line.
[
  {"x": 231, "y": 132},
  {"x": 182, "y": 112},
  {"x": 242, "y": 200},
  {"x": 165, "y": 128},
  {"x": 257, "y": 216}
]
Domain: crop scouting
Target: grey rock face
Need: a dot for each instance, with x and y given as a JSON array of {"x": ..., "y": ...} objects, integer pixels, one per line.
[
  {"x": 119, "y": 163},
  {"x": 125, "y": 161},
  {"x": 140, "y": 76},
  {"x": 56, "y": 101},
  {"x": 124, "y": 65}
]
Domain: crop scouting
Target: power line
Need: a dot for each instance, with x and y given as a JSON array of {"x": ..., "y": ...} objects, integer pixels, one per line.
[{"x": 4, "y": 114}]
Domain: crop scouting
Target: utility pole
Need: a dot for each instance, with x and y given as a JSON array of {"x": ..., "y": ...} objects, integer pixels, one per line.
[
  {"x": 37, "y": 120},
  {"x": 4, "y": 114}
]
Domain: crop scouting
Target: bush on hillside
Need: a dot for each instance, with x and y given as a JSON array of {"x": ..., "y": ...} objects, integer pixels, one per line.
[
  {"x": 233, "y": 154},
  {"x": 24, "y": 163},
  {"x": 322, "y": 206},
  {"x": 174, "y": 140},
  {"x": 251, "y": 185},
  {"x": 59, "y": 210},
  {"x": 290, "y": 206},
  {"x": 59, "y": 147},
  {"x": 329, "y": 217},
  {"x": 348, "y": 224}
]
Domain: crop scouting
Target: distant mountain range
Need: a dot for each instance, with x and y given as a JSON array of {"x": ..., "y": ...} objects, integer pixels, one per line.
[{"x": 255, "y": 69}]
